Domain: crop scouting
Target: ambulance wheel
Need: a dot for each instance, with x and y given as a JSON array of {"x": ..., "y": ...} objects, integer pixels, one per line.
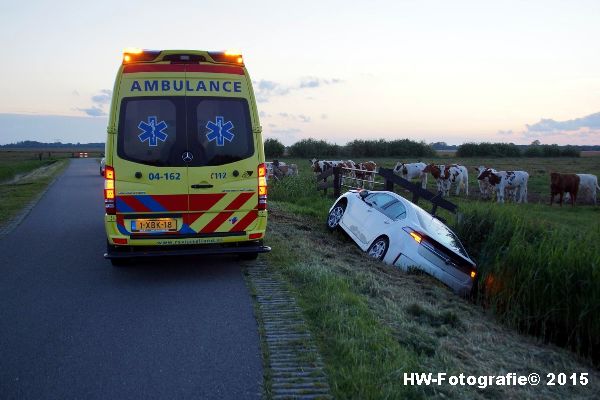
[
  {"x": 119, "y": 262},
  {"x": 248, "y": 256}
]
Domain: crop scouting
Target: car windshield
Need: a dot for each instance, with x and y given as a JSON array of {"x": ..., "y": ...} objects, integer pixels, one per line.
[{"x": 440, "y": 232}]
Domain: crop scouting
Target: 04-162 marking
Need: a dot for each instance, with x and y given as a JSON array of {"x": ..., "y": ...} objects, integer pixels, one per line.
[{"x": 168, "y": 176}]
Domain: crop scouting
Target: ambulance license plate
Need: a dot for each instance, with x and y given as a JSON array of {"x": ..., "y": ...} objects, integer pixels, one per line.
[{"x": 154, "y": 225}]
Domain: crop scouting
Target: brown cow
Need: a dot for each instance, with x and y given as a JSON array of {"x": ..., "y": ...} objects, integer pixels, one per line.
[{"x": 561, "y": 183}]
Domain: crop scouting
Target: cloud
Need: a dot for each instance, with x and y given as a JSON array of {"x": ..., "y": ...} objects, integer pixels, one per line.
[
  {"x": 102, "y": 98},
  {"x": 93, "y": 111},
  {"x": 266, "y": 89},
  {"x": 550, "y": 126},
  {"x": 99, "y": 101},
  {"x": 295, "y": 117},
  {"x": 303, "y": 118}
]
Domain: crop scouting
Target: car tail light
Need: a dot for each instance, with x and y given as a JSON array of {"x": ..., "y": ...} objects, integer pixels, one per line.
[
  {"x": 262, "y": 186},
  {"x": 109, "y": 191}
]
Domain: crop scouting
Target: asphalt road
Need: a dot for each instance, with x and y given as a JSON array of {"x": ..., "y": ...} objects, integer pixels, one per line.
[{"x": 72, "y": 326}]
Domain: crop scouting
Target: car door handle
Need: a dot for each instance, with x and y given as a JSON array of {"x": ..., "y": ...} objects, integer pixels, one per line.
[
  {"x": 369, "y": 211},
  {"x": 202, "y": 186}
]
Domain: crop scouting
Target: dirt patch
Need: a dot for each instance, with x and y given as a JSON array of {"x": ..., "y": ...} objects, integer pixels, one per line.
[{"x": 451, "y": 334}]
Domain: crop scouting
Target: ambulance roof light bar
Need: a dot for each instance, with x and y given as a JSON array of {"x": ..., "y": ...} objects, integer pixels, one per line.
[
  {"x": 227, "y": 56},
  {"x": 132, "y": 54}
]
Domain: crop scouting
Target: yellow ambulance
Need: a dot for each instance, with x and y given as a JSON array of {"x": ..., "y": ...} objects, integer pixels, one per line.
[{"x": 185, "y": 165}]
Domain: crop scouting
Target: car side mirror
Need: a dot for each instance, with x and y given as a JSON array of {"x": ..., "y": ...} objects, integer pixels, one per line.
[{"x": 363, "y": 194}]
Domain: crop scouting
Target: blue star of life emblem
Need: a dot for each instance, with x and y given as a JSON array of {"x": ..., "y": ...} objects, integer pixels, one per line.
[
  {"x": 220, "y": 131},
  {"x": 152, "y": 131}
]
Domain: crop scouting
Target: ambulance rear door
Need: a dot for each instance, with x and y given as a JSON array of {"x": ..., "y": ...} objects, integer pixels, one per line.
[
  {"x": 223, "y": 173},
  {"x": 151, "y": 148}
]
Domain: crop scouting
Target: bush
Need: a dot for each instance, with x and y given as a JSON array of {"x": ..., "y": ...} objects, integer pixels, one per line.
[
  {"x": 274, "y": 148},
  {"x": 488, "y": 150},
  {"x": 309, "y": 148}
]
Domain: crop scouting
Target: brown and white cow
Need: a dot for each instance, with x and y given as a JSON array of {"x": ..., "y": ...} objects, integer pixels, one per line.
[
  {"x": 561, "y": 183},
  {"x": 365, "y": 172},
  {"x": 446, "y": 175},
  {"x": 319, "y": 166},
  {"x": 513, "y": 181},
  {"x": 486, "y": 189},
  {"x": 280, "y": 169},
  {"x": 436, "y": 172},
  {"x": 412, "y": 171}
]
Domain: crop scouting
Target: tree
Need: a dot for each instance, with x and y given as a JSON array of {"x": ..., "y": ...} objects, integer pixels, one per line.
[
  {"x": 536, "y": 142},
  {"x": 273, "y": 148}
]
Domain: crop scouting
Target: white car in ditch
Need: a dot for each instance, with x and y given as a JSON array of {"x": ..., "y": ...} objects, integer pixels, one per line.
[{"x": 392, "y": 229}]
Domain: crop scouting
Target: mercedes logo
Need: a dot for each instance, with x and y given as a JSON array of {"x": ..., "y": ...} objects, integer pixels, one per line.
[{"x": 187, "y": 156}]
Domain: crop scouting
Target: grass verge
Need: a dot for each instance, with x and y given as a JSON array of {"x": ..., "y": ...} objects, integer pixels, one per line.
[
  {"x": 374, "y": 322},
  {"x": 19, "y": 191}
]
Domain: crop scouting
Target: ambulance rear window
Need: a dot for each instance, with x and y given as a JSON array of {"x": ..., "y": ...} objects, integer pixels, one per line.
[
  {"x": 159, "y": 130},
  {"x": 148, "y": 131},
  {"x": 221, "y": 130}
]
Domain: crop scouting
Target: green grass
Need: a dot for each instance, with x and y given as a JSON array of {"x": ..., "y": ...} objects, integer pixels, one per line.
[
  {"x": 373, "y": 322},
  {"x": 539, "y": 265},
  {"x": 539, "y": 273},
  {"x": 15, "y": 195},
  {"x": 363, "y": 359}
]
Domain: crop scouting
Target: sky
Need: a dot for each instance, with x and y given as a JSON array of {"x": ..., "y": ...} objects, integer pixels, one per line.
[{"x": 451, "y": 71}]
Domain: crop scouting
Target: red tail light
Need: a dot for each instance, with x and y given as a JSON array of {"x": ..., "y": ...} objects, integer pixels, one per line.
[
  {"x": 109, "y": 191},
  {"x": 262, "y": 186}
]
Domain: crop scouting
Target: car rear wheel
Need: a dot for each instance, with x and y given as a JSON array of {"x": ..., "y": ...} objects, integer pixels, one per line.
[
  {"x": 335, "y": 215},
  {"x": 379, "y": 247}
]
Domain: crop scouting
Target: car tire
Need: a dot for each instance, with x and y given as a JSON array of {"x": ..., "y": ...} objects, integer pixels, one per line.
[
  {"x": 379, "y": 248},
  {"x": 335, "y": 215},
  {"x": 248, "y": 256}
]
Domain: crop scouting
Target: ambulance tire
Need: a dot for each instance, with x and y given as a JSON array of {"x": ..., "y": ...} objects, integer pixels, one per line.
[
  {"x": 119, "y": 262},
  {"x": 248, "y": 256}
]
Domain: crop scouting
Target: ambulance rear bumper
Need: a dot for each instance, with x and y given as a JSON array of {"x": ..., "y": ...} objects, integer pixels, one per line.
[{"x": 161, "y": 251}]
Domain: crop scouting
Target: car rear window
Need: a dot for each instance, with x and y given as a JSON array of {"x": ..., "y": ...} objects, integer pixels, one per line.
[
  {"x": 157, "y": 131},
  {"x": 395, "y": 210},
  {"x": 440, "y": 232}
]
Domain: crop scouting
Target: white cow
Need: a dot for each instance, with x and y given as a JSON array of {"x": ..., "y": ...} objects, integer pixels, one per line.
[
  {"x": 457, "y": 174},
  {"x": 588, "y": 185},
  {"x": 412, "y": 171},
  {"x": 508, "y": 180}
]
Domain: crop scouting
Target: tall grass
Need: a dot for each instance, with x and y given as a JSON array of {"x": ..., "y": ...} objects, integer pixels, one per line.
[{"x": 542, "y": 278}]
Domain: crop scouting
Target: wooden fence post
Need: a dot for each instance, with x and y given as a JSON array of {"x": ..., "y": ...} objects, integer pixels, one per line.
[{"x": 336, "y": 182}]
